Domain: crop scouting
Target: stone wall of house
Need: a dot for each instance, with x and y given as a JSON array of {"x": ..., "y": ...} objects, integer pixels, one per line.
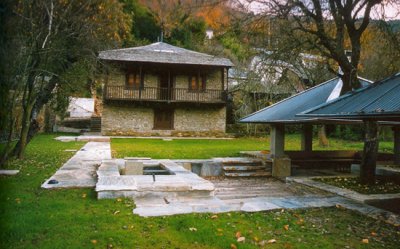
[
  {"x": 116, "y": 77},
  {"x": 200, "y": 119},
  {"x": 126, "y": 120},
  {"x": 213, "y": 80},
  {"x": 139, "y": 121}
]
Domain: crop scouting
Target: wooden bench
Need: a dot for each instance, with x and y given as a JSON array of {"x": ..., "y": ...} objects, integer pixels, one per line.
[{"x": 340, "y": 160}]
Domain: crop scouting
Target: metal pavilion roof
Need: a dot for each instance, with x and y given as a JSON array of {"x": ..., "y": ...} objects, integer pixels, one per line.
[
  {"x": 161, "y": 52},
  {"x": 285, "y": 111},
  {"x": 377, "y": 101}
]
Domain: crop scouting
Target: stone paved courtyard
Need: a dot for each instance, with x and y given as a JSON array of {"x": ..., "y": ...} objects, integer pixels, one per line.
[{"x": 224, "y": 194}]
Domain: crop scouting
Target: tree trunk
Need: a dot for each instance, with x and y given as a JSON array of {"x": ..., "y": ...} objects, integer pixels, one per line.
[
  {"x": 23, "y": 139},
  {"x": 322, "y": 138},
  {"x": 370, "y": 152}
]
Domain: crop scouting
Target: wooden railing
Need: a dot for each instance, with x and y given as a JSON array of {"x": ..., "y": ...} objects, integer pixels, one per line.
[{"x": 164, "y": 94}]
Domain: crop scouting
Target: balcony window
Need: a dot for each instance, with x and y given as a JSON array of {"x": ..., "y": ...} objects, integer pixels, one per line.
[
  {"x": 133, "y": 80},
  {"x": 197, "y": 82}
]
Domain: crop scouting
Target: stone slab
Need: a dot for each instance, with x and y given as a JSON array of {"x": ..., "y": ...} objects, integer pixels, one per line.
[
  {"x": 8, "y": 172},
  {"x": 211, "y": 169},
  {"x": 281, "y": 167},
  {"x": 256, "y": 206}
]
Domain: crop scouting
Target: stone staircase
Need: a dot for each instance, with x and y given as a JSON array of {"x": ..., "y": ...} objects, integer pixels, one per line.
[
  {"x": 246, "y": 168},
  {"x": 95, "y": 124}
]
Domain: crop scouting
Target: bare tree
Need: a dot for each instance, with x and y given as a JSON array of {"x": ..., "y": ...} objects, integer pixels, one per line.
[{"x": 332, "y": 27}]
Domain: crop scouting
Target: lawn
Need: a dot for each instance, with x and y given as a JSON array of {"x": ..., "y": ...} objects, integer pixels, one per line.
[
  {"x": 32, "y": 217},
  {"x": 204, "y": 149}
]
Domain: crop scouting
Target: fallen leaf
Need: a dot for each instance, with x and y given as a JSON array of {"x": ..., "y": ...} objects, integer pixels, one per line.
[
  {"x": 116, "y": 212},
  {"x": 220, "y": 230},
  {"x": 256, "y": 239},
  {"x": 241, "y": 239},
  {"x": 214, "y": 216},
  {"x": 286, "y": 227},
  {"x": 365, "y": 241},
  {"x": 94, "y": 241},
  {"x": 271, "y": 241},
  {"x": 119, "y": 199},
  {"x": 300, "y": 222},
  {"x": 193, "y": 229},
  {"x": 238, "y": 234},
  {"x": 84, "y": 195},
  {"x": 233, "y": 246},
  {"x": 374, "y": 234}
]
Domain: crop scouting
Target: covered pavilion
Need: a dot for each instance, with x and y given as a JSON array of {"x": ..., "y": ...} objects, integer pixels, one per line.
[
  {"x": 379, "y": 102},
  {"x": 286, "y": 112}
]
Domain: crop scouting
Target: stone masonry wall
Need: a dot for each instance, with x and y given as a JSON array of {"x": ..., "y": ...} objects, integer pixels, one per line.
[
  {"x": 135, "y": 121},
  {"x": 117, "y": 78},
  {"x": 200, "y": 119},
  {"x": 125, "y": 120}
]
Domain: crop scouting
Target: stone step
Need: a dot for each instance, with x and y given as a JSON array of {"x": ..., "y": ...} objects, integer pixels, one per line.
[
  {"x": 248, "y": 174},
  {"x": 242, "y": 163},
  {"x": 241, "y": 196},
  {"x": 243, "y": 168},
  {"x": 244, "y": 189}
]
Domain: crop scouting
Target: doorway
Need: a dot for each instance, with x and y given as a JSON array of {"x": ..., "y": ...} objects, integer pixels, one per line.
[
  {"x": 163, "y": 119},
  {"x": 166, "y": 85}
]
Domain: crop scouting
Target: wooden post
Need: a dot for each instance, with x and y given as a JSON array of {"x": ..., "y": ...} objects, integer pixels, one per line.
[
  {"x": 307, "y": 137},
  {"x": 396, "y": 145},
  {"x": 370, "y": 152},
  {"x": 277, "y": 140}
]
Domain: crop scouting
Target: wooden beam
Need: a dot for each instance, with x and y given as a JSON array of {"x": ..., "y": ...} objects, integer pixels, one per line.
[
  {"x": 370, "y": 152},
  {"x": 277, "y": 140},
  {"x": 307, "y": 137},
  {"x": 396, "y": 145}
]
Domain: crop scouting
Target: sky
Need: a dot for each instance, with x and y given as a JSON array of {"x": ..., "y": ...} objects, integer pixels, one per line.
[{"x": 391, "y": 11}]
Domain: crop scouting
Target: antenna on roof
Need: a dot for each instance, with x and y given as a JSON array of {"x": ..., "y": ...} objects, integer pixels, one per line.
[{"x": 162, "y": 36}]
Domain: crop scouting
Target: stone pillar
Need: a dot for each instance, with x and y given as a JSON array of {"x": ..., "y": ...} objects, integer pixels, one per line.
[
  {"x": 277, "y": 140},
  {"x": 396, "y": 144},
  {"x": 133, "y": 167},
  {"x": 370, "y": 152},
  {"x": 306, "y": 138},
  {"x": 281, "y": 164}
]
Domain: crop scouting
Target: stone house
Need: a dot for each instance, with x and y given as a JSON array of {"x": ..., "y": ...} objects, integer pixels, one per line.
[{"x": 160, "y": 89}]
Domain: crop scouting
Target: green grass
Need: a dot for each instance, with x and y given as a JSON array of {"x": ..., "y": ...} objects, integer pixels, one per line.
[
  {"x": 31, "y": 217},
  {"x": 381, "y": 186},
  {"x": 204, "y": 149}
]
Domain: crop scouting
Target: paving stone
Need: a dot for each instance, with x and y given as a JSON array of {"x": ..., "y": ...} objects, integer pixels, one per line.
[
  {"x": 8, "y": 172},
  {"x": 258, "y": 206},
  {"x": 116, "y": 183}
]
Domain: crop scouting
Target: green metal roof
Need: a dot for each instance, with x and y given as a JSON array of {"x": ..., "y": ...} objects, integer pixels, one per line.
[
  {"x": 380, "y": 100},
  {"x": 285, "y": 111}
]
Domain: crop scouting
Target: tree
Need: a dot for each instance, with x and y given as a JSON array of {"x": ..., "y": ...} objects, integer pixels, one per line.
[
  {"x": 48, "y": 38},
  {"x": 333, "y": 26}
]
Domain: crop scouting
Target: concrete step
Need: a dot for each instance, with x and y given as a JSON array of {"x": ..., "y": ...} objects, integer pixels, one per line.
[
  {"x": 248, "y": 174},
  {"x": 243, "y": 168}
]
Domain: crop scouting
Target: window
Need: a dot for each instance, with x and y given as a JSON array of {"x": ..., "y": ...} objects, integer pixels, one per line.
[
  {"x": 197, "y": 82},
  {"x": 133, "y": 80}
]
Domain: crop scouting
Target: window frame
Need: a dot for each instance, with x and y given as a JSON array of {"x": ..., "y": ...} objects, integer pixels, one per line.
[
  {"x": 200, "y": 82},
  {"x": 138, "y": 79}
]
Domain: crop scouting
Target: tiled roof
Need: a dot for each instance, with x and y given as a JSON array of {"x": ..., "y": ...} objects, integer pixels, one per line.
[{"x": 161, "y": 52}]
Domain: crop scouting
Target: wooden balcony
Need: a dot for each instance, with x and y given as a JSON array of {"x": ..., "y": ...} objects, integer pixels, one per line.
[{"x": 158, "y": 94}]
